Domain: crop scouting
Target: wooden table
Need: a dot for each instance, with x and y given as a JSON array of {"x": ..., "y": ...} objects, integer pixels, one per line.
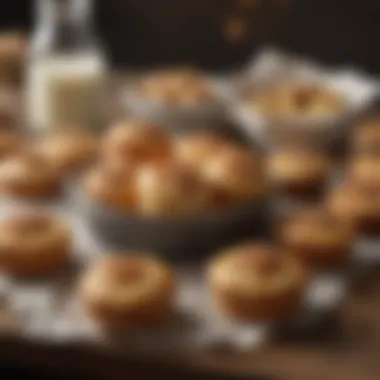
[{"x": 347, "y": 348}]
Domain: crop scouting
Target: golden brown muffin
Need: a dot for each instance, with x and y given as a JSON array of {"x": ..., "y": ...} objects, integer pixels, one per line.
[
  {"x": 13, "y": 48},
  {"x": 196, "y": 149},
  {"x": 257, "y": 282},
  {"x": 129, "y": 291},
  {"x": 68, "y": 151},
  {"x": 179, "y": 87},
  {"x": 366, "y": 137},
  {"x": 235, "y": 175},
  {"x": 10, "y": 108},
  {"x": 9, "y": 144},
  {"x": 33, "y": 244},
  {"x": 28, "y": 175},
  {"x": 364, "y": 171},
  {"x": 359, "y": 207},
  {"x": 112, "y": 185},
  {"x": 169, "y": 189},
  {"x": 137, "y": 141},
  {"x": 299, "y": 100},
  {"x": 317, "y": 238},
  {"x": 298, "y": 172}
]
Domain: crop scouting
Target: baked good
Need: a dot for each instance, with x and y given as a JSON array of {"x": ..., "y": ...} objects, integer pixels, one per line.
[
  {"x": 32, "y": 243},
  {"x": 175, "y": 87},
  {"x": 28, "y": 175},
  {"x": 298, "y": 100},
  {"x": 364, "y": 171},
  {"x": 170, "y": 189},
  {"x": 138, "y": 141},
  {"x": 112, "y": 185},
  {"x": 357, "y": 206},
  {"x": 298, "y": 172},
  {"x": 196, "y": 149},
  {"x": 317, "y": 238},
  {"x": 13, "y": 48},
  {"x": 236, "y": 175},
  {"x": 256, "y": 282},
  {"x": 10, "y": 106},
  {"x": 9, "y": 144},
  {"x": 128, "y": 291},
  {"x": 68, "y": 151},
  {"x": 366, "y": 137}
]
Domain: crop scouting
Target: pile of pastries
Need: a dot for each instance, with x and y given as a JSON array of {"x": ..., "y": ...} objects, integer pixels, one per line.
[
  {"x": 181, "y": 87},
  {"x": 143, "y": 170},
  {"x": 138, "y": 167},
  {"x": 38, "y": 168},
  {"x": 298, "y": 100}
]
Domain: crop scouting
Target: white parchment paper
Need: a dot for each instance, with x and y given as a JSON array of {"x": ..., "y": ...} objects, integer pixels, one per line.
[
  {"x": 48, "y": 309},
  {"x": 272, "y": 67}
]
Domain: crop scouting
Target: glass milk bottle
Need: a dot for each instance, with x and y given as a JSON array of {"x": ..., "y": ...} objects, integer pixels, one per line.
[{"x": 66, "y": 69}]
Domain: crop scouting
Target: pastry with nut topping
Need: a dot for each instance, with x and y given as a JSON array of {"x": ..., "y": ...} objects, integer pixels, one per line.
[
  {"x": 236, "y": 176},
  {"x": 141, "y": 142},
  {"x": 32, "y": 244},
  {"x": 364, "y": 172},
  {"x": 256, "y": 282},
  {"x": 366, "y": 137},
  {"x": 68, "y": 151},
  {"x": 169, "y": 189},
  {"x": 9, "y": 144},
  {"x": 299, "y": 100},
  {"x": 176, "y": 87},
  {"x": 128, "y": 291},
  {"x": 317, "y": 238},
  {"x": 358, "y": 207},
  {"x": 196, "y": 149},
  {"x": 112, "y": 184},
  {"x": 297, "y": 172},
  {"x": 29, "y": 175}
]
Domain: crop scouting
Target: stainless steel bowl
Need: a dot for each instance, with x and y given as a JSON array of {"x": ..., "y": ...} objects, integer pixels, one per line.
[{"x": 175, "y": 238}]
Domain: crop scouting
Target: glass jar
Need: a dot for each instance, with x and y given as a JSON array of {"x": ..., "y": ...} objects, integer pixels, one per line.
[{"x": 66, "y": 68}]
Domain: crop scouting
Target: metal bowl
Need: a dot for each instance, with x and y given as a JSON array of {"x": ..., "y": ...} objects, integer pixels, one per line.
[{"x": 174, "y": 238}]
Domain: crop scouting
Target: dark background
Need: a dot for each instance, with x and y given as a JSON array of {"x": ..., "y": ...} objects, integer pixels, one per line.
[{"x": 145, "y": 32}]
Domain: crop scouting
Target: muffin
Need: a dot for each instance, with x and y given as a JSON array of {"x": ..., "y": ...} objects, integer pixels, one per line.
[
  {"x": 298, "y": 100},
  {"x": 235, "y": 175},
  {"x": 196, "y": 149},
  {"x": 28, "y": 175},
  {"x": 298, "y": 173},
  {"x": 317, "y": 238},
  {"x": 256, "y": 283},
  {"x": 170, "y": 189},
  {"x": 364, "y": 171},
  {"x": 177, "y": 87},
  {"x": 112, "y": 186},
  {"x": 137, "y": 141},
  {"x": 357, "y": 206},
  {"x": 128, "y": 291},
  {"x": 9, "y": 144},
  {"x": 32, "y": 244},
  {"x": 10, "y": 108},
  {"x": 68, "y": 151},
  {"x": 13, "y": 48},
  {"x": 366, "y": 137}
]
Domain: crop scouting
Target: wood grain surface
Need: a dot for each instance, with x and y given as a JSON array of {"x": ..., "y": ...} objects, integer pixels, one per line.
[{"x": 346, "y": 348}]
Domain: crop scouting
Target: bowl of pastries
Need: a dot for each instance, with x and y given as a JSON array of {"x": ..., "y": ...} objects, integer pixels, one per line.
[
  {"x": 193, "y": 192},
  {"x": 178, "y": 98},
  {"x": 309, "y": 111}
]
